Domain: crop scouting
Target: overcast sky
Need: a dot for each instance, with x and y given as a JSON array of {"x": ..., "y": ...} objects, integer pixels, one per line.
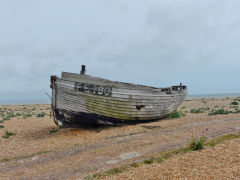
[{"x": 153, "y": 42}]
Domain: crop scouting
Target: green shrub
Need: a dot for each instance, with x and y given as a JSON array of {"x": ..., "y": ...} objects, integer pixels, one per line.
[
  {"x": 26, "y": 115},
  {"x": 134, "y": 165},
  {"x": 148, "y": 161},
  {"x": 2, "y": 114},
  {"x": 53, "y": 130},
  {"x": 200, "y": 110},
  {"x": 8, "y": 134},
  {"x": 235, "y": 103},
  {"x": 18, "y": 114},
  {"x": 6, "y": 118},
  {"x": 176, "y": 114},
  {"x": 1, "y": 126},
  {"x": 113, "y": 171},
  {"x": 197, "y": 144},
  {"x": 237, "y": 111},
  {"x": 219, "y": 111},
  {"x": 41, "y": 114},
  {"x": 160, "y": 160},
  {"x": 203, "y": 101}
]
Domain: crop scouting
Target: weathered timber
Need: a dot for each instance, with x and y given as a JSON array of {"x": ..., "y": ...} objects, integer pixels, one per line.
[{"x": 80, "y": 98}]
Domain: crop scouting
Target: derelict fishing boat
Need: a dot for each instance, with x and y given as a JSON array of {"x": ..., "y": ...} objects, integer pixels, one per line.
[{"x": 80, "y": 98}]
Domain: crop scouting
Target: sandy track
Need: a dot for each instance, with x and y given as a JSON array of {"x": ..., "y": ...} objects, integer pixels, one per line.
[{"x": 76, "y": 153}]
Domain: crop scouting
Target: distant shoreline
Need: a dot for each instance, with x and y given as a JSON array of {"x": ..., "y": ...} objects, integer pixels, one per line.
[
  {"x": 197, "y": 96},
  {"x": 23, "y": 103},
  {"x": 224, "y": 95}
]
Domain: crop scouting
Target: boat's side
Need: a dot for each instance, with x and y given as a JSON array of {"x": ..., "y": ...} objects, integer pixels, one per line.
[{"x": 97, "y": 99}]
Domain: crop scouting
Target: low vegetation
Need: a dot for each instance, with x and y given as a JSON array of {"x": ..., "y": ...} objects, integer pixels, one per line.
[
  {"x": 237, "y": 99},
  {"x": 234, "y": 103},
  {"x": 23, "y": 157},
  {"x": 114, "y": 171},
  {"x": 6, "y": 118},
  {"x": 53, "y": 130},
  {"x": 176, "y": 114},
  {"x": 26, "y": 115},
  {"x": 203, "y": 101},
  {"x": 41, "y": 114},
  {"x": 160, "y": 160},
  {"x": 223, "y": 111},
  {"x": 221, "y": 139},
  {"x": 134, "y": 165},
  {"x": 219, "y": 111},
  {"x": 148, "y": 161},
  {"x": 7, "y": 114},
  {"x": 197, "y": 144},
  {"x": 8, "y": 134},
  {"x": 199, "y": 110}
]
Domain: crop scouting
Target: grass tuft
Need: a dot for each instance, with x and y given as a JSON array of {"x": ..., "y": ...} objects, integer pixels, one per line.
[
  {"x": 203, "y": 101},
  {"x": 113, "y": 171},
  {"x": 53, "y": 130},
  {"x": 176, "y": 114},
  {"x": 27, "y": 115},
  {"x": 221, "y": 139},
  {"x": 219, "y": 111},
  {"x": 23, "y": 157},
  {"x": 8, "y": 134},
  {"x": 197, "y": 144},
  {"x": 41, "y": 114},
  {"x": 235, "y": 103},
  {"x": 148, "y": 161},
  {"x": 199, "y": 110},
  {"x": 134, "y": 165},
  {"x": 160, "y": 160}
]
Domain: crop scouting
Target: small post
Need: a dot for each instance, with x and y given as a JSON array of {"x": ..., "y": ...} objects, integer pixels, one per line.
[
  {"x": 181, "y": 86},
  {"x": 53, "y": 79},
  {"x": 83, "y": 70}
]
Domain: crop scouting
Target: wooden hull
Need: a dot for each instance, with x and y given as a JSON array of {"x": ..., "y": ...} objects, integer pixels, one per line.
[{"x": 82, "y": 98}]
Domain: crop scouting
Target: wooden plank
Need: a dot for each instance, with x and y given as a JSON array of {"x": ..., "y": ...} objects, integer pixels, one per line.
[
  {"x": 118, "y": 101},
  {"x": 99, "y": 81},
  {"x": 132, "y": 96},
  {"x": 149, "y": 111}
]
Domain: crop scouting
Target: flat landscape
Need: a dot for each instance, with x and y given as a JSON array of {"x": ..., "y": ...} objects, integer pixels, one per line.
[{"x": 33, "y": 147}]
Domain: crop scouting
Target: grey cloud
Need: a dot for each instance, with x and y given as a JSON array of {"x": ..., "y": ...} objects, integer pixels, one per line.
[{"x": 151, "y": 42}]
